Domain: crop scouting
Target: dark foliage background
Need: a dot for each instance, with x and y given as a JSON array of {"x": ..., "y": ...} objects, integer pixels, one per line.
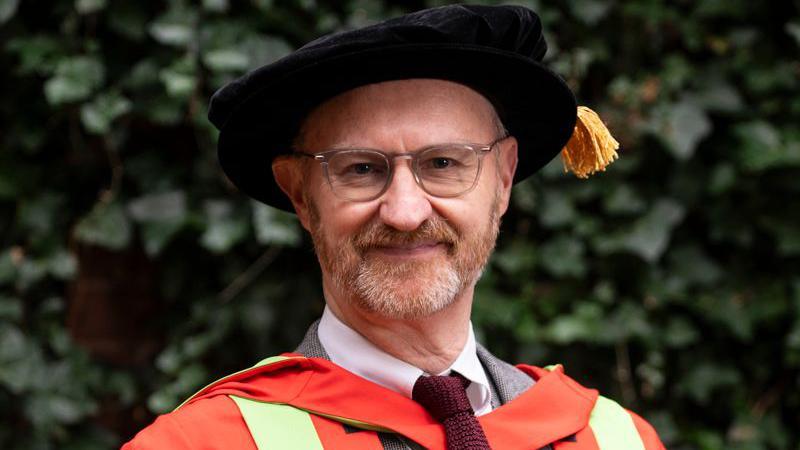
[{"x": 132, "y": 272}]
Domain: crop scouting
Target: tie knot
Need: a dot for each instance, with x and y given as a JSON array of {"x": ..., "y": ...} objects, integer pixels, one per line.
[{"x": 443, "y": 396}]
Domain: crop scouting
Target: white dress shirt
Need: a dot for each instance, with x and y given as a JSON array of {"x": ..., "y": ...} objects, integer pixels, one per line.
[{"x": 355, "y": 353}]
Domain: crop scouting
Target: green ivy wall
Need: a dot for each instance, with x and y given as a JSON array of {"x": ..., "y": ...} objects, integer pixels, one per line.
[{"x": 132, "y": 272}]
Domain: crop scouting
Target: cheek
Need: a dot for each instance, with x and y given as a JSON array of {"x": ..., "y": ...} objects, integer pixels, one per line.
[
  {"x": 466, "y": 215},
  {"x": 489, "y": 182},
  {"x": 489, "y": 193},
  {"x": 343, "y": 219}
]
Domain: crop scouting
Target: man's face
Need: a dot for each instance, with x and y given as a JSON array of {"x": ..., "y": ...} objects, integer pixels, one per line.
[{"x": 405, "y": 254}]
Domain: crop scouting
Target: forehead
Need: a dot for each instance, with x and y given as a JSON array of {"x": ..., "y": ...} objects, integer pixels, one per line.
[{"x": 400, "y": 115}]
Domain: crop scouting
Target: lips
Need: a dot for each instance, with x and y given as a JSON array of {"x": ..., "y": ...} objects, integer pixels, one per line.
[
  {"x": 408, "y": 250},
  {"x": 405, "y": 245}
]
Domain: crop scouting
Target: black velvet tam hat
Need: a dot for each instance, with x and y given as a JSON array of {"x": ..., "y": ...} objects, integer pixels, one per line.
[{"x": 496, "y": 50}]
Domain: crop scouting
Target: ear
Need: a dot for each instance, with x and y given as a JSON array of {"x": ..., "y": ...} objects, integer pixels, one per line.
[
  {"x": 288, "y": 174},
  {"x": 507, "y": 161}
]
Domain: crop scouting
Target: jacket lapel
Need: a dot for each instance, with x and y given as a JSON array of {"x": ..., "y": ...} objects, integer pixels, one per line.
[
  {"x": 508, "y": 382},
  {"x": 310, "y": 346}
]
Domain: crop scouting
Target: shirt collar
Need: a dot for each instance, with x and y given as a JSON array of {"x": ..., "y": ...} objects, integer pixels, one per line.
[{"x": 352, "y": 351}]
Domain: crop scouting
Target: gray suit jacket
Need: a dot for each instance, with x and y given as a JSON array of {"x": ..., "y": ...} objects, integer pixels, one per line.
[{"x": 506, "y": 381}]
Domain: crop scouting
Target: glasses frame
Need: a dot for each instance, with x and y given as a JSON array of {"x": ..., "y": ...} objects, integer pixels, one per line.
[{"x": 480, "y": 151}]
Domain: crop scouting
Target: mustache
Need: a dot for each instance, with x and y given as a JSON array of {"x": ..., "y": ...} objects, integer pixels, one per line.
[{"x": 377, "y": 234}]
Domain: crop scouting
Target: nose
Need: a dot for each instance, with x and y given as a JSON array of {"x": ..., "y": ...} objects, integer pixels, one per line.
[{"x": 404, "y": 205}]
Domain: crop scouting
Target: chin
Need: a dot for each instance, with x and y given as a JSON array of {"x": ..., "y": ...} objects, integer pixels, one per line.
[{"x": 410, "y": 290}]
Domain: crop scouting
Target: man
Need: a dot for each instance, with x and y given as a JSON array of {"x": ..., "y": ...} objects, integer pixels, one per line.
[{"x": 397, "y": 146}]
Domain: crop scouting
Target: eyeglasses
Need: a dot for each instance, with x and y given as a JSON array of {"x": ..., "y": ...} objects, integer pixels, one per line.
[{"x": 444, "y": 170}]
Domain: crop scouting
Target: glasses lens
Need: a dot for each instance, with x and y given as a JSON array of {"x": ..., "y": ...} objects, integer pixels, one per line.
[
  {"x": 357, "y": 174},
  {"x": 448, "y": 171}
]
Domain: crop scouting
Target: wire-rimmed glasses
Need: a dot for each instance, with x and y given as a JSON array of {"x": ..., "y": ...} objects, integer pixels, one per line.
[{"x": 442, "y": 170}]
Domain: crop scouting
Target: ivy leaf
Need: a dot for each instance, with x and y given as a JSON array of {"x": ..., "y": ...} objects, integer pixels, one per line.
[
  {"x": 62, "y": 265},
  {"x": 224, "y": 229},
  {"x": 174, "y": 28},
  {"x": 793, "y": 29},
  {"x": 723, "y": 178},
  {"x": 263, "y": 5},
  {"x": 686, "y": 124},
  {"x": 164, "y": 110},
  {"x": 106, "y": 225},
  {"x": 720, "y": 96},
  {"x": 649, "y": 235},
  {"x": 37, "y": 54},
  {"x": 563, "y": 257},
  {"x": 177, "y": 34},
  {"x": 762, "y": 147},
  {"x": 704, "y": 378},
  {"x": 48, "y": 409},
  {"x": 590, "y": 11},
  {"x": 221, "y": 235},
  {"x": 7, "y": 10},
  {"x": 21, "y": 362},
  {"x": 623, "y": 199},
  {"x": 692, "y": 265},
  {"x": 157, "y": 235},
  {"x": 226, "y": 60},
  {"x": 31, "y": 271},
  {"x": 8, "y": 265},
  {"x": 142, "y": 75},
  {"x": 680, "y": 333},
  {"x": 792, "y": 340},
  {"x": 567, "y": 329},
  {"x": 98, "y": 115},
  {"x": 273, "y": 226},
  {"x": 265, "y": 49},
  {"x": 90, "y": 6},
  {"x": 159, "y": 207},
  {"x": 216, "y": 5},
  {"x": 14, "y": 344},
  {"x": 40, "y": 215},
  {"x": 161, "y": 215},
  {"x": 179, "y": 78},
  {"x": 556, "y": 209},
  {"x": 584, "y": 323},
  {"x": 162, "y": 401},
  {"x": 518, "y": 257},
  {"x": 626, "y": 321},
  {"x": 75, "y": 79},
  {"x": 728, "y": 311}
]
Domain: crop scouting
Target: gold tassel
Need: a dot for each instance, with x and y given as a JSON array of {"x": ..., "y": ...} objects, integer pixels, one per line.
[{"x": 591, "y": 147}]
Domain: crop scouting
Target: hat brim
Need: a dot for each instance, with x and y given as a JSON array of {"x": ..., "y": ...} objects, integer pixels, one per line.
[{"x": 535, "y": 105}]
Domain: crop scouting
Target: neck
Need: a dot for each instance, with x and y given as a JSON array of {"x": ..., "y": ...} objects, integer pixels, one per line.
[{"x": 430, "y": 343}]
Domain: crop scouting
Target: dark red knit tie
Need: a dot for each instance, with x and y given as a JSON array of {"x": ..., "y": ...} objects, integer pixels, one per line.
[{"x": 445, "y": 397}]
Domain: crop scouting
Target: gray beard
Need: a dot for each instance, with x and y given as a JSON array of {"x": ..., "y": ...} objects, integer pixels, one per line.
[{"x": 384, "y": 291}]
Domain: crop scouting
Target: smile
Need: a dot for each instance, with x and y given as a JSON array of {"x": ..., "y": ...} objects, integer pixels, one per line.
[{"x": 413, "y": 250}]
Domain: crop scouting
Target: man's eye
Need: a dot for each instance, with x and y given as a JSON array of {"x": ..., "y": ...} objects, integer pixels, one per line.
[
  {"x": 441, "y": 163},
  {"x": 362, "y": 169}
]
